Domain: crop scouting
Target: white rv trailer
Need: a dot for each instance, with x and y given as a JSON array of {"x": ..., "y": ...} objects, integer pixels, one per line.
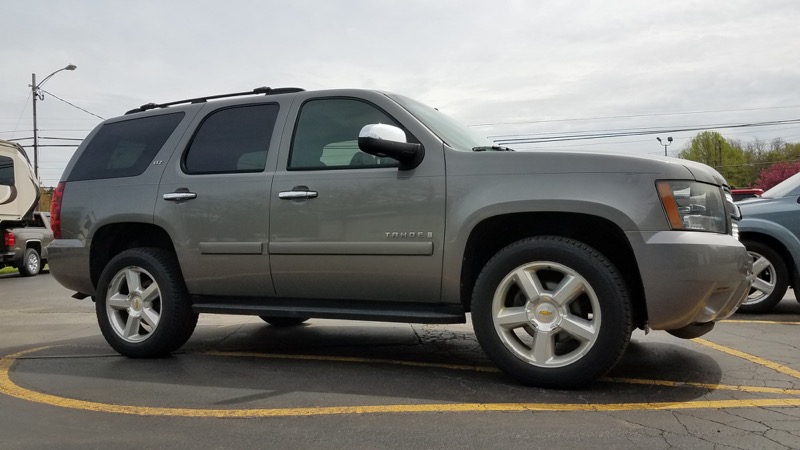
[{"x": 19, "y": 189}]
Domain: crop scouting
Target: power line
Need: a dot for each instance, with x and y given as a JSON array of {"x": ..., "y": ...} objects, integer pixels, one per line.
[
  {"x": 601, "y": 134},
  {"x": 70, "y": 104},
  {"x": 628, "y": 116}
]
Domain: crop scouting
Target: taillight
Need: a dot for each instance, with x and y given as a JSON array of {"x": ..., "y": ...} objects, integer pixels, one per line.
[
  {"x": 55, "y": 210},
  {"x": 10, "y": 240}
]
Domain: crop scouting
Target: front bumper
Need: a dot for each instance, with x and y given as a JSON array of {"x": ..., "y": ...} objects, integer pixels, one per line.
[{"x": 691, "y": 277}]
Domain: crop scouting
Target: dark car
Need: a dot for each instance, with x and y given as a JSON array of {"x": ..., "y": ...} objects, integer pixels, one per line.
[{"x": 770, "y": 229}]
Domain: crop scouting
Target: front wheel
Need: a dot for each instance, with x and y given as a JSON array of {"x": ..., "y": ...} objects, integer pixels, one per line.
[
  {"x": 552, "y": 312},
  {"x": 142, "y": 304},
  {"x": 31, "y": 263}
]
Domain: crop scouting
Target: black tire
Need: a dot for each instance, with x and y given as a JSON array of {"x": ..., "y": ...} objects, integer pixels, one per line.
[
  {"x": 31, "y": 263},
  {"x": 772, "y": 278},
  {"x": 159, "y": 308},
  {"x": 566, "y": 356},
  {"x": 284, "y": 321}
]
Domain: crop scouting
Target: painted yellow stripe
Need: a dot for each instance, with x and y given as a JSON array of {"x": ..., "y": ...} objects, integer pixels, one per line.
[
  {"x": 8, "y": 387},
  {"x": 353, "y": 360},
  {"x": 752, "y": 358},
  {"x": 769, "y": 322},
  {"x": 665, "y": 383},
  {"x": 709, "y": 386}
]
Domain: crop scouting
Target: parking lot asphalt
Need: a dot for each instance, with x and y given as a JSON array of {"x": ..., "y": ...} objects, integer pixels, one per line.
[{"x": 239, "y": 382}]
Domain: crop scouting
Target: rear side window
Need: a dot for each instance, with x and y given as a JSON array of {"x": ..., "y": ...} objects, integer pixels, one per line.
[
  {"x": 232, "y": 140},
  {"x": 124, "y": 149},
  {"x": 6, "y": 171}
]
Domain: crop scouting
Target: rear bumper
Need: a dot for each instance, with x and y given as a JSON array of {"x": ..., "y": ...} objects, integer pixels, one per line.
[
  {"x": 691, "y": 277},
  {"x": 11, "y": 258},
  {"x": 68, "y": 260}
]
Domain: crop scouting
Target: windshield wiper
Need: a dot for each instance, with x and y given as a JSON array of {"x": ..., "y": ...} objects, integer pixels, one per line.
[{"x": 493, "y": 148}]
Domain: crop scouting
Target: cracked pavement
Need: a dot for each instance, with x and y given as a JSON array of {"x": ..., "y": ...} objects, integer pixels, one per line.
[{"x": 376, "y": 385}]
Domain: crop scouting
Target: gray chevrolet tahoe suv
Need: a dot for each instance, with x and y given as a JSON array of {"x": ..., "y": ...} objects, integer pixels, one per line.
[{"x": 367, "y": 205}]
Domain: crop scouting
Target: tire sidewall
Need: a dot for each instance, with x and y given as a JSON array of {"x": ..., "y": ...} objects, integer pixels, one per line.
[
  {"x": 781, "y": 273},
  {"x": 616, "y": 322},
  {"x": 176, "y": 319},
  {"x": 23, "y": 268}
]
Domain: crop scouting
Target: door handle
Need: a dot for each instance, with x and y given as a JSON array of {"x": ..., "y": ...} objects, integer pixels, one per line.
[
  {"x": 295, "y": 195},
  {"x": 179, "y": 196}
]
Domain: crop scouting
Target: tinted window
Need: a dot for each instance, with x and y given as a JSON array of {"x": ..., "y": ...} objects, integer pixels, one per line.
[
  {"x": 326, "y": 135},
  {"x": 124, "y": 149},
  {"x": 232, "y": 140},
  {"x": 6, "y": 171}
]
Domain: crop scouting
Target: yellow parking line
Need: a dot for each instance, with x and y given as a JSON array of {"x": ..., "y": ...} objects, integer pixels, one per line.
[
  {"x": 354, "y": 360},
  {"x": 709, "y": 386},
  {"x": 768, "y": 322},
  {"x": 665, "y": 383},
  {"x": 752, "y": 358},
  {"x": 8, "y": 387}
]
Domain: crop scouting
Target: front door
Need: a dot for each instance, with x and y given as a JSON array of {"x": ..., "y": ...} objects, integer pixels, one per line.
[{"x": 347, "y": 225}]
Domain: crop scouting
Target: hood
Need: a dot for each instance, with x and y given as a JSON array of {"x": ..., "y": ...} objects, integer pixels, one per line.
[
  {"x": 550, "y": 162},
  {"x": 703, "y": 172}
]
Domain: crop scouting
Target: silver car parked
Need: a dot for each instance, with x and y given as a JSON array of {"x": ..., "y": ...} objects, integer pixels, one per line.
[{"x": 355, "y": 204}]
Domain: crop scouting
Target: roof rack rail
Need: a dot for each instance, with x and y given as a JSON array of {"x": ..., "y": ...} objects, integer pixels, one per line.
[{"x": 260, "y": 90}]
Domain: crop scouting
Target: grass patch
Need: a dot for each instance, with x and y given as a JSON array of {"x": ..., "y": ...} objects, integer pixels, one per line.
[{"x": 6, "y": 270}]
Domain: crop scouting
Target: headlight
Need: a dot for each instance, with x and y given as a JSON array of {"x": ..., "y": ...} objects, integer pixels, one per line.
[{"x": 690, "y": 205}]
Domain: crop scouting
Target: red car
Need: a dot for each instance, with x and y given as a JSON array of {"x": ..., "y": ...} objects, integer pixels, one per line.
[{"x": 743, "y": 193}]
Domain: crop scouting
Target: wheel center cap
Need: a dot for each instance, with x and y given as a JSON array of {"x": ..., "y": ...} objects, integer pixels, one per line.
[
  {"x": 136, "y": 303},
  {"x": 542, "y": 314},
  {"x": 545, "y": 313}
]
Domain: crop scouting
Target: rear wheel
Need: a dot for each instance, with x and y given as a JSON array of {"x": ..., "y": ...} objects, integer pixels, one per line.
[
  {"x": 552, "y": 312},
  {"x": 142, "y": 304},
  {"x": 31, "y": 263},
  {"x": 772, "y": 278},
  {"x": 283, "y": 321}
]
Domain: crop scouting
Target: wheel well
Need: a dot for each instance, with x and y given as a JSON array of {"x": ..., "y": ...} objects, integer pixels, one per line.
[
  {"x": 36, "y": 245},
  {"x": 779, "y": 248},
  {"x": 493, "y": 234},
  {"x": 113, "y": 239}
]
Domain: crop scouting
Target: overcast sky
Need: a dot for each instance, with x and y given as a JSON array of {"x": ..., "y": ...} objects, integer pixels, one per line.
[{"x": 507, "y": 68}]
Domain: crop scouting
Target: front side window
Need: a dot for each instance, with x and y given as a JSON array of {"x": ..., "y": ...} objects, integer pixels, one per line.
[
  {"x": 232, "y": 140},
  {"x": 326, "y": 135},
  {"x": 125, "y": 148}
]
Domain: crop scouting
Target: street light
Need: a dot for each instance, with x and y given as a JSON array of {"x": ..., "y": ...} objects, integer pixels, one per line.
[
  {"x": 36, "y": 94},
  {"x": 669, "y": 142}
]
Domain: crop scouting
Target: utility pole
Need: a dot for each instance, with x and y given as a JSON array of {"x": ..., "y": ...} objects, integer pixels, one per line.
[{"x": 36, "y": 94}]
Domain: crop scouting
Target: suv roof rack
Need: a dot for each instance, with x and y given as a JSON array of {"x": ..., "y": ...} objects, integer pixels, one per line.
[{"x": 260, "y": 90}]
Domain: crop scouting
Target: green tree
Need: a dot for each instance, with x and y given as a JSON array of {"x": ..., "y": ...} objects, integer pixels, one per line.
[{"x": 709, "y": 147}]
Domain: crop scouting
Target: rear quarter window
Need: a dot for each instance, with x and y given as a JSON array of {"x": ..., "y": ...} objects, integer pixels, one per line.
[{"x": 126, "y": 148}]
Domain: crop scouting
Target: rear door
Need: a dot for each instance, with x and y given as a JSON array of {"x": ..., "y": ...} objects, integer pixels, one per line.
[
  {"x": 214, "y": 199},
  {"x": 346, "y": 225}
]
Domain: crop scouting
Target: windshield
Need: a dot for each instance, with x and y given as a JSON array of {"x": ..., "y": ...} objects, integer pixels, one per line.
[
  {"x": 786, "y": 187},
  {"x": 452, "y": 132}
]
